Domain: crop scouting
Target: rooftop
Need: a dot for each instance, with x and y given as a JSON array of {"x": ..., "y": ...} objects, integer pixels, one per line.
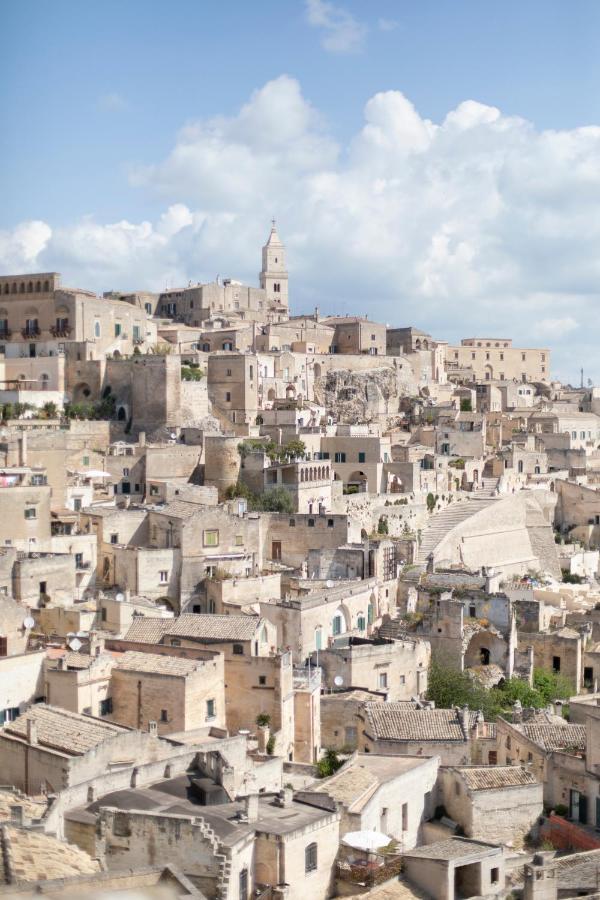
[
  {"x": 493, "y": 778},
  {"x": 155, "y": 664},
  {"x": 33, "y": 856},
  {"x": 454, "y": 848},
  {"x": 62, "y": 730},
  {"x": 354, "y": 785},
  {"x": 396, "y": 722},
  {"x": 555, "y": 737},
  {"x": 194, "y": 625}
]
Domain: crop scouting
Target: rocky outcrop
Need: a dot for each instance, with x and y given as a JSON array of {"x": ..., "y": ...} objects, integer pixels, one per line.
[{"x": 371, "y": 395}]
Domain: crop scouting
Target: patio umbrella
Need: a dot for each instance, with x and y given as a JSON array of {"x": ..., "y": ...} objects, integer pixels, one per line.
[
  {"x": 366, "y": 840},
  {"x": 94, "y": 473}
]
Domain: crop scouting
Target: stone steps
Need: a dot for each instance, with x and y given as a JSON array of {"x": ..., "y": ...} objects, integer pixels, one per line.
[{"x": 447, "y": 519}]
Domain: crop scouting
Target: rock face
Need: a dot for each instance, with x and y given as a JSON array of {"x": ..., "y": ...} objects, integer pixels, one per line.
[{"x": 361, "y": 397}]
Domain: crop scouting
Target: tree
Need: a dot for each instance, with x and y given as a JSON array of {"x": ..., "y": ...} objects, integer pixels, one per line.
[
  {"x": 276, "y": 500},
  {"x": 431, "y": 501},
  {"x": 50, "y": 409},
  {"x": 329, "y": 764},
  {"x": 294, "y": 448},
  {"x": 449, "y": 687},
  {"x": 552, "y": 685},
  {"x": 465, "y": 405},
  {"x": 382, "y": 525}
]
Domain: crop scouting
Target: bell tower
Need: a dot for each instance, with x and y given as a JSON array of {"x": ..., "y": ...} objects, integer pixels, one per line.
[{"x": 274, "y": 276}]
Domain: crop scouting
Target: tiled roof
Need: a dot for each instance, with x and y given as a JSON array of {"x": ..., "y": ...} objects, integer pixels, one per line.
[
  {"x": 157, "y": 664},
  {"x": 33, "y": 808},
  {"x": 394, "y": 722},
  {"x": 62, "y": 730},
  {"x": 147, "y": 630},
  {"x": 556, "y": 737},
  {"x": 34, "y": 856},
  {"x": 180, "y": 509},
  {"x": 493, "y": 778},
  {"x": 194, "y": 625}
]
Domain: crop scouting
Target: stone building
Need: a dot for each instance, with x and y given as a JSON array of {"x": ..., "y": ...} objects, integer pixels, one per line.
[
  {"x": 496, "y": 358},
  {"x": 458, "y": 737},
  {"x": 503, "y": 801},
  {"x": 178, "y": 694},
  {"x": 80, "y": 682},
  {"x": 455, "y": 868}
]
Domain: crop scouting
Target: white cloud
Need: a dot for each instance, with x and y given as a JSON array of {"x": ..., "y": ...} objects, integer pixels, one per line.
[
  {"x": 477, "y": 223},
  {"x": 342, "y": 33},
  {"x": 112, "y": 102},
  {"x": 387, "y": 24}
]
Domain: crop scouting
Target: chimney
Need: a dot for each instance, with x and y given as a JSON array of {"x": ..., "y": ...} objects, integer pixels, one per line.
[
  {"x": 464, "y": 717},
  {"x": 517, "y": 712},
  {"x": 23, "y": 449},
  {"x": 251, "y": 807},
  {"x": 287, "y": 797},
  {"x": 62, "y": 663},
  {"x": 31, "y": 731}
]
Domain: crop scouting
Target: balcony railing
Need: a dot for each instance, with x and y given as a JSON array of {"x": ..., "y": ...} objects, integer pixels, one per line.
[
  {"x": 61, "y": 331},
  {"x": 5, "y": 334},
  {"x": 31, "y": 333}
]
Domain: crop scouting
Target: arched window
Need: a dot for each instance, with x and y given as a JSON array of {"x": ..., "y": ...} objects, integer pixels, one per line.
[
  {"x": 22, "y": 288},
  {"x": 361, "y": 622},
  {"x": 30, "y": 287},
  {"x": 14, "y": 287},
  {"x": 338, "y": 625},
  {"x": 6, "y": 288},
  {"x": 46, "y": 285},
  {"x": 97, "y": 329},
  {"x": 318, "y": 637},
  {"x": 38, "y": 286},
  {"x": 310, "y": 858}
]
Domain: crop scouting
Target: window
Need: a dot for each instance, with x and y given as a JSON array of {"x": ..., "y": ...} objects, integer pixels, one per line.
[
  {"x": 164, "y": 715},
  {"x": 97, "y": 329},
  {"x": 405, "y": 817},
  {"x": 78, "y": 560},
  {"x": 238, "y": 649},
  {"x": 339, "y": 457},
  {"x": 361, "y": 623},
  {"x": 310, "y": 858},
  {"x": 495, "y": 876},
  {"x": 164, "y": 576},
  {"x": 383, "y": 680},
  {"x": 30, "y": 513},
  {"x": 262, "y": 679},
  {"x": 311, "y": 523},
  {"x": 136, "y": 333},
  {"x": 292, "y": 523},
  {"x": 244, "y": 884},
  {"x": 227, "y": 397},
  {"x": 106, "y": 707},
  {"x": 126, "y": 473},
  {"x": 362, "y": 456},
  {"x": 337, "y": 625},
  {"x": 556, "y": 663},
  {"x": 211, "y": 538},
  {"x": 210, "y": 709},
  {"x": 239, "y": 540},
  {"x": 85, "y": 461},
  {"x": 114, "y": 538},
  {"x": 148, "y": 308},
  {"x": 118, "y": 329},
  {"x": 330, "y": 523}
]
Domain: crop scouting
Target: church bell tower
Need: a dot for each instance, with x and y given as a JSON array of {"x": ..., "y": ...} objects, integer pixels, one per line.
[{"x": 274, "y": 276}]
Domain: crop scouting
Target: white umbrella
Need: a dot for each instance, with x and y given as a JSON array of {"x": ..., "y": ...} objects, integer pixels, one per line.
[
  {"x": 366, "y": 840},
  {"x": 94, "y": 473}
]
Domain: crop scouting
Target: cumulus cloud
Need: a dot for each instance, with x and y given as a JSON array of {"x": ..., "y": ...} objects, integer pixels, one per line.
[
  {"x": 476, "y": 223},
  {"x": 341, "y": 31}
]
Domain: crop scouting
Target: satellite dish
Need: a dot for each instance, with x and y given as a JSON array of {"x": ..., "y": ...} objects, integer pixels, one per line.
[
  {"x": 28, "y": 622},
  {"x": 173, "y": 436},
  {"x": 338, "y": 681},
  {"x": 76, "y": 645},
  {"x": 120, "y": 597}
]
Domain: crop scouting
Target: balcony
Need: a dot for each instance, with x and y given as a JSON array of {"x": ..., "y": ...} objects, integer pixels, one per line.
[
  {"x": 5, "y": 334},
  {"x": 61, "y": 331},
  {"x": 138, "y": 340},
  {"x": 31, "y": 334}
]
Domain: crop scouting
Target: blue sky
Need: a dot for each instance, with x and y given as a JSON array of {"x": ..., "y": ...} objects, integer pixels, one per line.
[{"x": 100, "y": 181}]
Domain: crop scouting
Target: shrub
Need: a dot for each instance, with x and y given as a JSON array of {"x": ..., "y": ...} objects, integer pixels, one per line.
[
  {"x": 466, "y": 405},
  {"x": 263, "y": 719},
  {"x": 191, "y": 373},
  {"x": 329, "y": 764},
  {"x": 382, "y": 525},
  {"x": 560, "y": 809},
  {"x": 271, "y": 746}
]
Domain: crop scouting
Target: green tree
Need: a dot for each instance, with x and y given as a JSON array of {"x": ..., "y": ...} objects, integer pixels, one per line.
[
  {"x": 552, "y": 685},
  {"x": 329, "y": 764},
  {"x": 466, "y": 405},
  {"x": 449, "y": 687},
  {"x": 431, "y": 501},
  {"x": 276, "y": 500},
  {"x": 294, "y": 448},
  {"x": 50, "y": 409}
]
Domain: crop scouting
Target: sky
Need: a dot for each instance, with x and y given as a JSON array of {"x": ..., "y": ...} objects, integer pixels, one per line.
[{"x": 433, "y": 163}]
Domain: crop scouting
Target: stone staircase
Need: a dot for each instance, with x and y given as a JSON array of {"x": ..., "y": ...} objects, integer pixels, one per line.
[
  {"x": 443, "y": 522},
  {"x": 488, "y": 487}
]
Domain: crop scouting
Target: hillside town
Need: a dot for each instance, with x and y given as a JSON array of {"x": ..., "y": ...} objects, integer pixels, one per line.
[{"x": 293, "y": 606}]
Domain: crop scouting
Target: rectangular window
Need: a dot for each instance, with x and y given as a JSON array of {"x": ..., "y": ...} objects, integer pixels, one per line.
[
  {"x": 362, "y": 456},
  {"x": 556, "y": 663},
  {"x": 238, "y": 649},
  {"x": 310, "y": 858},
  {"x": 164, "y": 576},
  {"x": 86, "y": 461},
  {"x": 311, "y": 523},
  {"x": 262, "y": 679},
  {"x": 210, "y": 709},
  {"x": 383, "y": 680},
  {"x": 136, "y": 332},
  {"x": 30, "y": 513},
  {"x": 330, "y": 523},
  {"x": 117, "y": 329},
  {"x": 227, "y": 397},
  {"x": 292, "y": 523},
  {"x": 78, "y": 560},
  {"x": 239, "y": 540},
  {"x": 114, "y": 538},
  {"x": 210, "y": 538},
  {"x": 106, "y": 707},
  {"x": 339, "y": 458},
  {"x": 495, "y": 876},
  {"x": 164, "y": 715}
]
